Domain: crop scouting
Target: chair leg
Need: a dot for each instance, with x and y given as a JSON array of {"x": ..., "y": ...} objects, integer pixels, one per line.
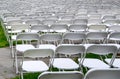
[
  {"x": 12, "y": 49},
  {"x": 21, "y": 75},
  {"x": 16, "y": 62}
]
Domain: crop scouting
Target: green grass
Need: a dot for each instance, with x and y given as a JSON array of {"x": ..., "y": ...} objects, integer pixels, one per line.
[
  {"x": 3, "y": 40},
  {"x": 28, "y": 76}
]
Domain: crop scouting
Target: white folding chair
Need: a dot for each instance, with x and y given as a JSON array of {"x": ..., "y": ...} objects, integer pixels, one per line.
[
  {"x": 26, "y": 43},
  {"x": 110, "y": 73},
  {"x": 61, "y": 75},
  {"x": 31, "y": 65},
  {"x": 65, "y": 62},
  {"x": 100, "y": 50}
]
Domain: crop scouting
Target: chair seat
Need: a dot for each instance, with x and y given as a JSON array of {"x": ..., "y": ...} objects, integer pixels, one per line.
[
  {"x": 34, "y": 66},
  {"x": 116, "y": 62},
  {"x": 65, "y": 63},
  {"x": 47, "y": 46},
  {"x": 22, "y": 48},
  {"x": 94, "y": 63}
]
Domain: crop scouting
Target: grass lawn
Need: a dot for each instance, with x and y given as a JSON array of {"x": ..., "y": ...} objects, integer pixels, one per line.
[{"x": 3, "y": 40}]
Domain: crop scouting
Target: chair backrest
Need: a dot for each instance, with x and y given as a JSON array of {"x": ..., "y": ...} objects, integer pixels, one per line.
[
  {"x": 108, "y": 17},
  {"x": 61, "y": 75},
  {"x": 15, "y": 22},
  {"x": 59, "y": 27},
  {"x": 55, "y": 38},
  {"x": 94, "y": 16},
  {"x": 97, "y": 36},
  {"x": 115, "y": 35},
  {"x": 74, "y": 37},
  {"x": 40, "y": 28},
  {"x": 53, "y": 18},
  {"x": 110, "y": 23},
  {"x": 97, "y": 28},
  {"x": 80, "y": 21},
  {"x": 48, "y": 22},
  {"x": 81, "y": 16},
  {"x": 22, "y": 28},
  {"x": 103, "y": 74},
  {"x": 32, "y": 22},
  {"x": 77, "y": 28},
  {"x": 28, "y": 36},
  {"x": 12, "y": 18},
  {"x": 94, "y": 22},
  {"x": 102, "y": 49},
  {"x": 64, "y": 21},
  {"x": 70, "y": 49},
  {"x": 114, "y": 28},
  {"x": 36, "y": 53},
  {"x": 69, "y": 17}
]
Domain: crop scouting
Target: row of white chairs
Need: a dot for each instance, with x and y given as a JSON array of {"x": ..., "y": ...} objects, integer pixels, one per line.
[
  {"x": 60, "y": 16},
  {"x": 61, "y": 7},
  {"x": 72, "y": 37},
  {"x": 64, "y": 61},
  {"x": 66, "y": 25},
  {"x": 65, "y": 19},
  {"x": 23, "y": 47},
  {"x": 92, "y": 74},
  {"x": 66, "y": 38}
]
